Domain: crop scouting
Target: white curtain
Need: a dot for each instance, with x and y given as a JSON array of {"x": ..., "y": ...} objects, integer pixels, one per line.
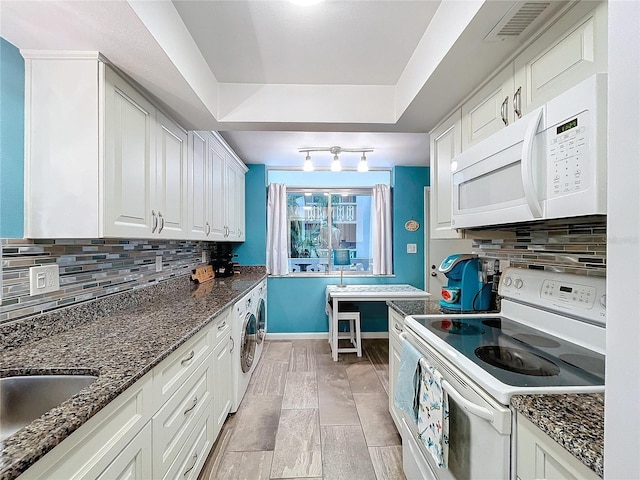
[
  {"x": 382, "y": 230},
  {"x": 277, "y": 234}
]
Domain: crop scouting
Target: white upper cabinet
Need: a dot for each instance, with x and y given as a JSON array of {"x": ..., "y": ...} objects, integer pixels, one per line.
[
  {"x": 220, "y": 192},
  {"x": 171, "y": 183},
  {"x": 446, "y": 143},
  {"x": 571, "y": 50},
  {"x": 144, "y": 169},
  {"x": 103, "y": 161},
  {"x": 129, "y": 160},
  {"x": 489, "y": 110},
  {"x": 199, "y": 225}
]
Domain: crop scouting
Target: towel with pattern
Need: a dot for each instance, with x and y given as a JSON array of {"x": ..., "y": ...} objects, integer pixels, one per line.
[{"x": 433, "y": 413}]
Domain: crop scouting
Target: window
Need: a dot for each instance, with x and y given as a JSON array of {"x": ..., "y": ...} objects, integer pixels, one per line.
[{"x": 321, "y": 220}]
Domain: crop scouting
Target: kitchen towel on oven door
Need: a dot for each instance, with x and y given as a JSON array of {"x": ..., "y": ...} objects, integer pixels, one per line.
[
  {"x": 408, "y": 383},
  {"x": 433, "y": 413}
]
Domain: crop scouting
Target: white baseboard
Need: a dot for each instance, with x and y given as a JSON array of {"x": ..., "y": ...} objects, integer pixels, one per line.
[{"x": 318, "y": 335}]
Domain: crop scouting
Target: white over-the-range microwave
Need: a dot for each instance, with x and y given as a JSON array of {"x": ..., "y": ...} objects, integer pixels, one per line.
[{"x": 549, "y": 164}]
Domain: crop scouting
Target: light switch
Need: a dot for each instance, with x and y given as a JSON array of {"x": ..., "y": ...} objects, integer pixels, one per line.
[
  {"x": 158, "y": 263},
  {"x": 412, "y": 248}
]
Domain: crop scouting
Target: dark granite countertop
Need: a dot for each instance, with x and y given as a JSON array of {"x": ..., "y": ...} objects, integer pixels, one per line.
[
  {"x": 120, "y": 338},
  {"x": 415, "y": 307},
  {"x": 575, "y": 421}
]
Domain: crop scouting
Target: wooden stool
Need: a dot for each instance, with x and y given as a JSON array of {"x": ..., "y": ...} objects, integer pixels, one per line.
[{"x": 353, "y": 335}]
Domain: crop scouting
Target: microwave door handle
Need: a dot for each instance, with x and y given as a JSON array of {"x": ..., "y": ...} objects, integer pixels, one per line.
[
  {"x": 528, "y": 183},
  {"x": 470, "y": 407}
]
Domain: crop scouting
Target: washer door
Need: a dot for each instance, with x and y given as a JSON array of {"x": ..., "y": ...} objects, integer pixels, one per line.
[
  {"x": 248, "y": 342},
  {"x": 262, "y": 321}
]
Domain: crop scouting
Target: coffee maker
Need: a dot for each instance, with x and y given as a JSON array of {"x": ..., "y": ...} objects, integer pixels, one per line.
[{"x": 466, "y": 290}]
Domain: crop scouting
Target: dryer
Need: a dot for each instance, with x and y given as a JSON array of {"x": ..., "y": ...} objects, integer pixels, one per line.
[{"x": 261, "y": 316}]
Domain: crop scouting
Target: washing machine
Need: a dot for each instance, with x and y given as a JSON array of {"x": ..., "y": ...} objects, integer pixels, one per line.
[
  {"x": 260, "y": 302},
  {"x": 245, "y": 341}
]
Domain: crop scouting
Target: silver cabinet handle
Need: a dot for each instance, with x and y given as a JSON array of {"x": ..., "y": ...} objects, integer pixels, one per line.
[
  {"x": 222, "y": 325},
  {"x": 161, "y": 218},
  {"x": 155, "y": 221},
  {"x": 504, "y": 111},
  {"x": 517, "y": 102},
  {"x": 188, "y": 359},
  {"x": 207, "y": 229},
  {"x": 195, "y": 460},
  {"x": 193, "y": 405},
  {"x": 233, "y": 344},
  {"x": 396, "y": 328}
]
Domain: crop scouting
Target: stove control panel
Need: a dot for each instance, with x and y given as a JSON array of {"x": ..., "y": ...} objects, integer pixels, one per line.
[
  {"x": 577, "y": 295},
  {"x": 583, "y": 296}
]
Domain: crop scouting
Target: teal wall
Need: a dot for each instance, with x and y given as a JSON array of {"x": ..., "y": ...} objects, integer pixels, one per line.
[
  {"x": 11, "y": 141},
  {"x": 254, "y": 251},
  {"x": 296, "y": 304},
  {"x": 408, "y": 204}
]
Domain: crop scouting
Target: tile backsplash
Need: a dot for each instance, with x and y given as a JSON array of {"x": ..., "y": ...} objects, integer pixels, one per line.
[
  {"x": 578, "y": 247},
  {"x": 89, "y": 269}
]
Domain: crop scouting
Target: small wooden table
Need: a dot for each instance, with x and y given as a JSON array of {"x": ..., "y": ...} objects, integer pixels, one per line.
[{"x": 364, "y": 293}]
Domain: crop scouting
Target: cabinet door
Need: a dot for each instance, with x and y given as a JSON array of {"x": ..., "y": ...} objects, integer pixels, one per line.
[
  {"x": 171, "y": 179},
  {"x": 134, "y": 462},
  {"x": 223, "y": 383},
  {"x": 446, "y": 143},
  {"x": 489, "y": 110},
  {"x": 199, "y": 187},
  {"x": 573, "y": 49},
  {"x": 216, "y": 161},
  {"x": 232, "y": 198},
  {"x": 540, "y": 457},
  {"x": 129, "y": 164},
  {"x": 396, "y": 326},
  {"x": 240, "y": 206}
]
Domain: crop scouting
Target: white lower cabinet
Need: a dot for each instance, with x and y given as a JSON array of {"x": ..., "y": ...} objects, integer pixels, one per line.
[
  {"x": 540, "y": 457},
  {"x": 179, "y": 416},
  {"x": 134, "y": 462},
  {"x": 161, "y": 427},
  {"x": 396, "y": 327},
  {"x": 222, "y": 379},
  {"x": 96, "y": 445}
]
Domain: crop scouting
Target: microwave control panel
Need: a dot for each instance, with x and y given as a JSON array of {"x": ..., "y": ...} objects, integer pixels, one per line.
[{"x": 568, "y": 156}]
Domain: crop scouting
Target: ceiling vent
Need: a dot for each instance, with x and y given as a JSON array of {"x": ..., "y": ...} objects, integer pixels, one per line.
[{"x": 522, "y": 19}]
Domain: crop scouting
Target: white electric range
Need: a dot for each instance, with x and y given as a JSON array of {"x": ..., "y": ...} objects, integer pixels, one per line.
[{"x": 548, "y": 338}]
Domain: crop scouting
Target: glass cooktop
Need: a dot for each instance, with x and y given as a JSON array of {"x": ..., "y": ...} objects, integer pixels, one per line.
[{"x": 518, "y": 355}]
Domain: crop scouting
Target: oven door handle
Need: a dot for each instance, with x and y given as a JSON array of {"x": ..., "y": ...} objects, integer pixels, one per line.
[{"x": 470, "y": 407}]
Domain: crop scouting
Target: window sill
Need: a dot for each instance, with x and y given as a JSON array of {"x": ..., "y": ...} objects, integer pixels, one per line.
[{"x": 330, "y": 275}]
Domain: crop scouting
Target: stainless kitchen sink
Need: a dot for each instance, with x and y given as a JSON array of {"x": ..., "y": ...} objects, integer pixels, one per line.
[{"x": 25, "y": 398}]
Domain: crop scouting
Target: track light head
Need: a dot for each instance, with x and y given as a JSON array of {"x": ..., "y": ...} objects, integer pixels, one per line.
[
  {"x": 363, "y": 166},
  {"x": 308, "y": 165},
  {"x": 335, "y": 164}
]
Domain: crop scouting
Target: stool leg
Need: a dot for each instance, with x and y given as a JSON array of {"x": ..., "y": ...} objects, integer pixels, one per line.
[
  {"x": 358, "y": 336},
  {"x": 352, "y": 331}
]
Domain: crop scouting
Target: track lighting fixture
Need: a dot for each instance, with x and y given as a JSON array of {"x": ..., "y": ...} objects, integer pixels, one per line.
[
  {"x": 336, "y": 166},
  {"x": 308, "y": 165},
  {"x": 363, "y": 166}
]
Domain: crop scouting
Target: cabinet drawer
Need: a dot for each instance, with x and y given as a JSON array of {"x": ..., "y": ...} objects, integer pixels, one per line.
[
  {"x": 173, "y": 371},
  {"x": 179, "y": 416},
  {"x": 191, "y": 458},
  {"x": 222, "y": 327}
]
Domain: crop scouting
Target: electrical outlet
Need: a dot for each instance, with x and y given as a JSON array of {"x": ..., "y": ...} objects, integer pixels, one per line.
[
  {"x": 412, "y": 248},
  {"x": 158, "y": 263},
  {"x": 205, "y": 256},
  {"x": 43, "y": 279}
]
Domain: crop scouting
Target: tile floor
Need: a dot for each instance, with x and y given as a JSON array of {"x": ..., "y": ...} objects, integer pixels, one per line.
[{"x": 306, "y": 416}]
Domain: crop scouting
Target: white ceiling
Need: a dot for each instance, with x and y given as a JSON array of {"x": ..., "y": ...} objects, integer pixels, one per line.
[{"x": 274, "y": 77}]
